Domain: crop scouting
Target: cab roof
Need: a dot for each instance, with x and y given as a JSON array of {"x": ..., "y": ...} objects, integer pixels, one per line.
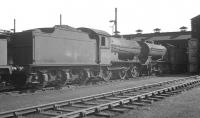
[{"x": 95, "y": 31}]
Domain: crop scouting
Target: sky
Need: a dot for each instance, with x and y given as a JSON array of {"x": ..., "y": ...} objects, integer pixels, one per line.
[{"x": 168, "y": 15}]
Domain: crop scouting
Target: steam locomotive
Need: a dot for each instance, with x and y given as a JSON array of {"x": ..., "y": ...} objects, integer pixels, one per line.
[{"x": 65, "y": 55}]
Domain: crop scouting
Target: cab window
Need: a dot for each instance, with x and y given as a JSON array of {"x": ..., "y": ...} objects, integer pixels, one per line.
[{"x": 103, "y": 41}]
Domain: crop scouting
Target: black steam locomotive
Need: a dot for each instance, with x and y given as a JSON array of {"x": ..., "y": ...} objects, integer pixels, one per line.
[{"x": 64, "y": 55}]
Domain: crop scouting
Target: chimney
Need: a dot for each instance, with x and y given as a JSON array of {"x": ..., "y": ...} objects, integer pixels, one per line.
[
  {"x": 139, "y": 31},
  {"x": 157, "y": 30},
  {"x": 183, "y": 29}
]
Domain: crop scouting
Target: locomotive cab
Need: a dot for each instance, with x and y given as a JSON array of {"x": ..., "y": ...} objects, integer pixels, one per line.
[{"x": 103, "y": 40}]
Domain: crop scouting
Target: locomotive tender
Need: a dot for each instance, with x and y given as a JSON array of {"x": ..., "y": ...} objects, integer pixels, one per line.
[{"x": 62, "y": 55}]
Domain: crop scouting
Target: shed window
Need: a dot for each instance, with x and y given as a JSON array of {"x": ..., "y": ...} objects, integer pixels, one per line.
[{"x": 103, "y": 41}]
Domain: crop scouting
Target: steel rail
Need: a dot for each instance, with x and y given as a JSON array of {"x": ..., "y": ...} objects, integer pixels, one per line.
[
  {"x": 99, "y": 108},
  {"x": 38, "y": 108}
]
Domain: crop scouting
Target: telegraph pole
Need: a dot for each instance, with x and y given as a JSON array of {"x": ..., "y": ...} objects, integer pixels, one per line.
[
  {"x": 116, "y": 32},
  {"x": 115, "y": 23},
  {"x": 60, "y": 19},
  {"x": 14, "y": 26}
]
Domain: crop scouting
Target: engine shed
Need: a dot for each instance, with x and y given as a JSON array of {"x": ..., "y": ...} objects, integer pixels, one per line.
[
  {"x": 194, "y": 48},
  {"x": 177, "y": 47}
]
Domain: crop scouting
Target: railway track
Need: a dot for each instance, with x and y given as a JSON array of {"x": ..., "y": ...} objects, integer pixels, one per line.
[{"x": 106, "y": 104}]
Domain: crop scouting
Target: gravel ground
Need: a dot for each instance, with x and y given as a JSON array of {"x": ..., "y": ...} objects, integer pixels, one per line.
[
  {"x": 185, "y": 105},
  {"x": 15, "y": 101}
]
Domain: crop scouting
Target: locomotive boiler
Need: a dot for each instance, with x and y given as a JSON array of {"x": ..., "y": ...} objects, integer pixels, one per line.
[
  {"x": 65, "y": 55},
  {"x": 126, "y": 49}
]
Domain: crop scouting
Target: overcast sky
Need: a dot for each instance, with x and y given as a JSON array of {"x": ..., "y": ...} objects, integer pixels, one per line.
[{"x": 168, "y": 15}]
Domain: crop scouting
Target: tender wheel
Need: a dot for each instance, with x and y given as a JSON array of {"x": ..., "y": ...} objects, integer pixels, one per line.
[
  {"x": 82, "y": 77},
  {"x": 123, "y": 74},
  {"x": 76, "y": 76}
]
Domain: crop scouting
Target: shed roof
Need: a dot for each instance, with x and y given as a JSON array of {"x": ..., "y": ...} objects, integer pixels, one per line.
[
  {"x": 160, "y": 36},
  {"x": 196, "y": 17}
]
